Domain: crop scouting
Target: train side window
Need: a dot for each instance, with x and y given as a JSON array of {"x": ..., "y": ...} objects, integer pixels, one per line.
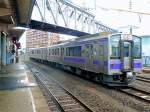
[
  {"x": 52, "y": 51},
  {"x": 77, "y": 51},
  {"x": 62, "y": 51},
  {"x": 73, "y": 51},
  {"x": 89, "y": 49},
  {"x": 57, "y": 51},
  {"x": 114, "y": 49},
  {"x": 137, "y": 47},
  {"x": 49, "y": 51},
  {"x": 67, "y": 51},
  {"x": 101, "y": 50}
]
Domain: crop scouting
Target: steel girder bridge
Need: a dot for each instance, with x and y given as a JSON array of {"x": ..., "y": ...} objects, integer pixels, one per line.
[{"x": 64, "y": 17}]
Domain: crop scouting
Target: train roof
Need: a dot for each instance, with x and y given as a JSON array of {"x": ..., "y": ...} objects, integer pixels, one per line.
[
  {"x": 38, "y": 48},
  {"x": 87, "y": 38},
  {"x": 101, "y": 34},
  {"x": 84, "y": 38}
]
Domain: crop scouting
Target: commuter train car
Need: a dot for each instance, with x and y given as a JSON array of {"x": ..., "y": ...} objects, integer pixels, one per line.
[
  {"x": 38, "y": 53},
  {"x": 113, "y": 59}
]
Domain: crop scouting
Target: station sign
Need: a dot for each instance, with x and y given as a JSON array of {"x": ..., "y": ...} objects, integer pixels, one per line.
[{"x": 126, "y": 37}]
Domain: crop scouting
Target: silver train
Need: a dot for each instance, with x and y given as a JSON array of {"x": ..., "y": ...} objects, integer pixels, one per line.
[{"x": 113, "y": 59}]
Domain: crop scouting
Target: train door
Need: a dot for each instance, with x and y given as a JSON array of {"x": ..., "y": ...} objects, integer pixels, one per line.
[
  {"x": 126, "y": 55},
  {"x": 101, "y": 58},
  {"x": 62, "y": 54},
  {"x": 89, "y": 55}
]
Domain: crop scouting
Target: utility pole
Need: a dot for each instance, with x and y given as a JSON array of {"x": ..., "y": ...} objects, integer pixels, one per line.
[
  {"x": 130, "y": 30},
  {"x": 129, "y": 27},
  {"x": 130, "y": 5}
]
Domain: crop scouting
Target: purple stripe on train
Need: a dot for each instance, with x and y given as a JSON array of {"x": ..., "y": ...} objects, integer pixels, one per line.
[
  {"x": 106, "y": 63},
  {"x": 75, "y": 59},
  {"x": 137, "y": 64},
  {"x": 96, "y": 62},
  {"x": 116, "y": 64}
]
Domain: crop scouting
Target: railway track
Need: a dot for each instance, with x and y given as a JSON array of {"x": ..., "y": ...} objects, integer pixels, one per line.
[
  {"x": 131, "y": 91},
  {"x": 59, "y": 99},
  {"x": 137, "y": 93},
  {"x": 144, "y": 79}
]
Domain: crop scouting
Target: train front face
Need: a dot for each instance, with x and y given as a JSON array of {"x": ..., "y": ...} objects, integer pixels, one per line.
[{"x": 125, "y": 58}]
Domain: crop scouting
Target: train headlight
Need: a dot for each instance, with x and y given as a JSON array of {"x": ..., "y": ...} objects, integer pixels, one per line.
[{"x": 129, "y": 75}]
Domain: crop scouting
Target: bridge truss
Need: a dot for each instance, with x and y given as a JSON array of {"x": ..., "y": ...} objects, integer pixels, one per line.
[{"x": 64, "y": 14}]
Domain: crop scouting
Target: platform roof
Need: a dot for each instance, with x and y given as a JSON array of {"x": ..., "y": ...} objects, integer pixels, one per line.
[{"x": 13, "y": 13}]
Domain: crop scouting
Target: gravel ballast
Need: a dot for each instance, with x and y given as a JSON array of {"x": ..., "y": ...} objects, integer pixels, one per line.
[{"x": 98, "y": 97}]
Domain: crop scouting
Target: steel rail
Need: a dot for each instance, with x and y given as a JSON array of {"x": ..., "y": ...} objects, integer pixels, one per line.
[
  {"x": 85, "y": 107},
  {"x": 145, "y": 79},
  {"x": 136, "y": 93},
  {"x": 52, "y": 96}
]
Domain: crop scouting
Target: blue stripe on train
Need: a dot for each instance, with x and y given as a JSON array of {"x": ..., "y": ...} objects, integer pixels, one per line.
[
  {"x": 115, "y": 66},
  {"x": 137, "y": 65},
  {"x": 118, "y": 65},
  {"x": 96, "y": 62},
  {"x": 75, "y": 59}
]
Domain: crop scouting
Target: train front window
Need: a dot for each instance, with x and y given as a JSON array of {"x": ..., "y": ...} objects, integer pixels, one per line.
[
  {"x": 137, "y": 47},
  {"x": 126, "y": 49},
  {"x": 114, "y": 41}
]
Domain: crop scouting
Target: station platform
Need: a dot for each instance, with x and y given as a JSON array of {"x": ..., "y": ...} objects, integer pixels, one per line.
[{"x": 19, "y": 91}]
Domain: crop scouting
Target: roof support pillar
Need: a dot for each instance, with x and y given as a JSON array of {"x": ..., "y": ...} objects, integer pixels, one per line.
[{"x": 3, "y": 46}]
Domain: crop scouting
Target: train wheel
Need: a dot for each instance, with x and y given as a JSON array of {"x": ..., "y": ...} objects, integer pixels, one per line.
[{"x": 78, "y": 71}]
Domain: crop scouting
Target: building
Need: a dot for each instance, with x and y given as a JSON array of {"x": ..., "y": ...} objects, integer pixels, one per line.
[
  {"x": 145, "y": 51},
  {"x": 36, "y": 38}
]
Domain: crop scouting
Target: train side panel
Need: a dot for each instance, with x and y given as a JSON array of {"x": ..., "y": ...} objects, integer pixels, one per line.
[
  {"x": 54, "y": 54},
  {"x": 94, "y": 55}
]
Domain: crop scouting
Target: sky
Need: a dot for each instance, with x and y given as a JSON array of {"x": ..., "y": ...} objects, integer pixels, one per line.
[
  {"x": 104, "y": 11},
  {"x": 117, "y": 19}
]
